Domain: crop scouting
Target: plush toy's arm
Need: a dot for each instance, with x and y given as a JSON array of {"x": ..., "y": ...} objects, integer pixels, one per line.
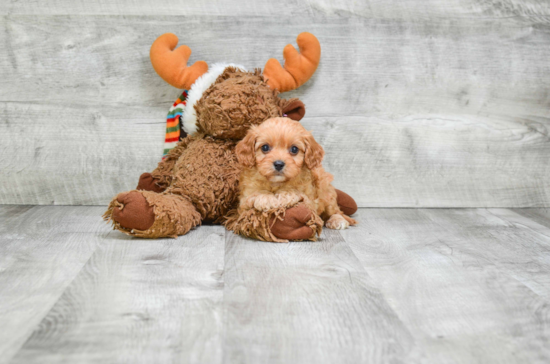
[{"x": 161, "y": 177}]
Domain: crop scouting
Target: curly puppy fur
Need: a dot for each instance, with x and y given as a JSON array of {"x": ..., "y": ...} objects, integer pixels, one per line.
[
  {"x": 282, "y": 168},
  {"x": 200, "y": 176}
]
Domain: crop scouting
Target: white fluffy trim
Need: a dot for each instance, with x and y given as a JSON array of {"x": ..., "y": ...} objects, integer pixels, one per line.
[{"x": 197, "y": 89}]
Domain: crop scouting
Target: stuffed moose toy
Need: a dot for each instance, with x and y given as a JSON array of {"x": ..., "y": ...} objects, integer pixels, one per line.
[{"x": 197, "y": 180}]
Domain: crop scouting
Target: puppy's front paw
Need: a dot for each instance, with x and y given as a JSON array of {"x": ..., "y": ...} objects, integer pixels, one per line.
[
  {"x": 265, "y": 202},
  {"x": 287, "y": 199},
  {"x": 337, "y": 222}
]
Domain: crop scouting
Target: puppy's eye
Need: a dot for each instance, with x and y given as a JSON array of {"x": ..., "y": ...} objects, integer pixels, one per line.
[
  {"x": 265, "y": 148},
  {"x": 294, "y": 150}
]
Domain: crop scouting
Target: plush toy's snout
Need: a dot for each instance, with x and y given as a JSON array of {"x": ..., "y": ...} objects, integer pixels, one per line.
[{"x": 227, "y": 111}]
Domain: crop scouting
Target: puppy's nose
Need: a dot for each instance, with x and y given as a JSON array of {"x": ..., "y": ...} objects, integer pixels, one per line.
[{"x": 279, "y": 165}]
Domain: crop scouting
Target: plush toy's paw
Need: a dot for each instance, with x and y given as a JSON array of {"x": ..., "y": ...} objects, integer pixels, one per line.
[
  {"x": 337, "y": 222},
  {"x": 346, "y": 203},
  {"x": 294, "y": 225},
  {"x": 133, "y": 211},
  {"x": 147, "y": 183}
]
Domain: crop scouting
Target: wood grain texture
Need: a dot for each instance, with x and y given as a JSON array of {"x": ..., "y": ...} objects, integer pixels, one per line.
[
  {"x": 404, "y": 286},
  {"x": 139, "y": 301},
  {"x": 370, "y": 66},
  {"x": 452, "y": 278},
  {"x": 453, "y": 103},
  {"x": 530, "y": 241},
  {"x": 41, "y": 251},
  {"x": 59, "y": 159},
  {"x": 282, "y": 298},
  {"x": 424, "y": 160},
  {"x": 516, "y": 246},
  {"x": 439, "y": 160},
  {"x": 530, "y": 9},
  {"x": 541, "y": 216}
]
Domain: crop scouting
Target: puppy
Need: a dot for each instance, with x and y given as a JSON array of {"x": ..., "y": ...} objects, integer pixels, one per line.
[{"x": 282, "y": 167}]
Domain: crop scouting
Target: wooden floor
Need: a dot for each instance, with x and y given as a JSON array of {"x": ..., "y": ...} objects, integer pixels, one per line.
[{"x": 405, "y": 286}]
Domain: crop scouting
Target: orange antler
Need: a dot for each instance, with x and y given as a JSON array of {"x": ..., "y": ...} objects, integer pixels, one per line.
[
  {"x": 171, "y": 64},
  {"x": 299, "y": 67}
]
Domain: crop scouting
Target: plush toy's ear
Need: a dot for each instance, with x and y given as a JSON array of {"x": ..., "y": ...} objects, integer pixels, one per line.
[
  {"x": 314, "y": 152},
  {"x": 245, "y": 150},
  {"x": 294, "y": 109}
]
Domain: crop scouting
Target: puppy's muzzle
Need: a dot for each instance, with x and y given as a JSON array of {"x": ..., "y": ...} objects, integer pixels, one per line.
[{"x": 279, "y": 165}]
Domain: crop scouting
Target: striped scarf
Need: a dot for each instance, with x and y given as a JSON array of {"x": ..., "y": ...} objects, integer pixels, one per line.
[{"x": 174, "y": 130}]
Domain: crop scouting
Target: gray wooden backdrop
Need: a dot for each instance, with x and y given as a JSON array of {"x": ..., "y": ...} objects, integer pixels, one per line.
[{"x": 420, "y": 103}]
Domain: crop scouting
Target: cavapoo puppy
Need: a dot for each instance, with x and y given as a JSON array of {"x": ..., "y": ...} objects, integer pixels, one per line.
[{"x": 282, "y": 168}]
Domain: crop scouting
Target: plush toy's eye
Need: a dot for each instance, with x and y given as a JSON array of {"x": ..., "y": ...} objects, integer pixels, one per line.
[
  {"x": 294, "y": 150},
  {"x": 265, "y": 148}
]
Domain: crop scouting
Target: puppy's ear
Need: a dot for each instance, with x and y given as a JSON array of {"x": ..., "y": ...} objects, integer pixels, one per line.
[
  {"x": 314, "y": 152},
  {"x": 245, "y": 150}
]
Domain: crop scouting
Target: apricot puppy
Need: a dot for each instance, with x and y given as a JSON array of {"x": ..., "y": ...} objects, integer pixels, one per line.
[{"x": 282, "y": 168}]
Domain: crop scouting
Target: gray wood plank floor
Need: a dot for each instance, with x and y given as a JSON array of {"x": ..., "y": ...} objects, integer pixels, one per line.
[{"x": 405, "y": 286}]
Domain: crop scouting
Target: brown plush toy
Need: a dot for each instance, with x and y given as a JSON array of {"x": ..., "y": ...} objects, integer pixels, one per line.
[{"x": 198, "y": 179}]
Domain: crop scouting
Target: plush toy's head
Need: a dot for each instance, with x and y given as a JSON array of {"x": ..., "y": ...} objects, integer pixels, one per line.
[
  {"x": 239, "y": 100},
  {"x": 225, "y": 100}
]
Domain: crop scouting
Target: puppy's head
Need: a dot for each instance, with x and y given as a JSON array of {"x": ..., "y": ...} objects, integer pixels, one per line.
[{"x": 279, "y": 148}]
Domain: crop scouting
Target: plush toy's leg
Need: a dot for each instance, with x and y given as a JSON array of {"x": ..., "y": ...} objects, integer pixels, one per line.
[
  {"x": 147, "y": 214},
  {"x": 161, "y": 177},
  {"x": 147, "y": 183},
  {"x": 277, "y": 225},
  {"x": 346, "y": 203},
  {"x": 131, "y": 211}
]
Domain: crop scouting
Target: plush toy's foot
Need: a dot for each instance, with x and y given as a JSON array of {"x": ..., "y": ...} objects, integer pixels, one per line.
[
  {"x": 147, "y": 183},
  {"x": 346, "y": 203},
  {"x": 278, "y": 225},
  {"x": 132, "y": 211},
  {"x": 147, "y": 214},
  {"x": 294, "y": 224}
]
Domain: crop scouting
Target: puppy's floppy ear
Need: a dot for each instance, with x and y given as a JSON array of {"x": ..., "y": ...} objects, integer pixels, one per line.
[
  {"x": 314, "y": 152},
  {"x": 245, "y": 149}
]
